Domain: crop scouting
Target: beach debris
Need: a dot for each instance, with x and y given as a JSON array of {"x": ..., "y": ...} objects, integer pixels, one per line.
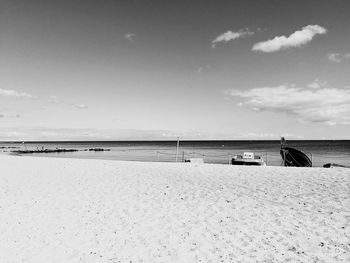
[
  {"x": 194, "y": 160},
  {"x": 334, "y": 165}
]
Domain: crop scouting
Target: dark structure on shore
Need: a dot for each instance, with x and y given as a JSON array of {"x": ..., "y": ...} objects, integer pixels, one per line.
[{"x": 293, "y": 157}]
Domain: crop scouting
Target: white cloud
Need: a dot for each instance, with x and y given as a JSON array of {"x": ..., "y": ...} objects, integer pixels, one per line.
[
  {"x": 54, "y": 99},
  {"x": 298, "y": 38},
  {"x": 337, "y": 57},
  {"x": 11, "y": 134},
  {"x": 13, "y": 93},
  {"x": 130, "y": 37},
  {"x": 9, "y": 116},
  {"x": 80, "y": 106},
  {"x": 202, "y": 69},
  {"x": 58, "y": 101},
  {"x": 334, "y": 57},
  {"x": 44, "y": 133},
  {"x": 316, "y": 84},
  {"x": 322, "y": 105},
  {"x": 229, "y": 36}
]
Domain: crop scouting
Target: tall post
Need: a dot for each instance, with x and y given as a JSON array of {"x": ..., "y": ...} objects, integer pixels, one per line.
[
  {"x": 25, "y": 146},
  {"x": 312, "y": 161},
  {"x": 177, "y": 148},
  {"x": 183, "y": 156}
]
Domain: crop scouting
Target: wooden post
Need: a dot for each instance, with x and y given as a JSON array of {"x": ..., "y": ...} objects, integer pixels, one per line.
[
  {"x": 229, "y": 158},
  {"x": 183, "y": 156},
  {"x": 312, "y": 161},
  {"x": 177, "y": 148},
  {"x": 266, "y": 158}
]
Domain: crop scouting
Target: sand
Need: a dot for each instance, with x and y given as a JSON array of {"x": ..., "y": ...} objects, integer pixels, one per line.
[{"x": 70, "y": 210}]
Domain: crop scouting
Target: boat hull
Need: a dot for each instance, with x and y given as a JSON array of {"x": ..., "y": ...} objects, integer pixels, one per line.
[
  {"x": 248, "y": 162},
  {"x": 294, "y": 157}
]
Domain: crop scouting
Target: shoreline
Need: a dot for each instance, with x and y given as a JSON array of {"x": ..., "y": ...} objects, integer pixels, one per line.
[
  {"x": 59, "y": 155},
  {"x": 321, "y": 152},
  {"x": 83, "y": 210}
]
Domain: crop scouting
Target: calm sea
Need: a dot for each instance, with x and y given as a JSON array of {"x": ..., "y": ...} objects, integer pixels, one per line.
[{"x": 321, "y": 152}]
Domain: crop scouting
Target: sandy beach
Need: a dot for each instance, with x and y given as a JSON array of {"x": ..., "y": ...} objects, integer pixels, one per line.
[{"x": 71, "y": 210}]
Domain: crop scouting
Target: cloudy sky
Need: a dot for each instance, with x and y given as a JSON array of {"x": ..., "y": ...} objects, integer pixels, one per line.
[{"x": 109, "y": 69}]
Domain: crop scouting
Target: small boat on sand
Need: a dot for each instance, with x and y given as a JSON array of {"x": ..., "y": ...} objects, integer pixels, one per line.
[
  {"x": 335, "y": 165},
  {"x": 248, "y": 158},
  {"x": 293, "y": 157}
]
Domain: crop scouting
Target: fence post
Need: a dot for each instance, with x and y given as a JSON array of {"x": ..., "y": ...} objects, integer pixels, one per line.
[
  {"x": 177, "y": 149},
  {"x": 266, "y": 158},
  {"x": 183, "y": 156},
  {"x": 229, "y": 158},
  {"x": 312, "y": 160}
]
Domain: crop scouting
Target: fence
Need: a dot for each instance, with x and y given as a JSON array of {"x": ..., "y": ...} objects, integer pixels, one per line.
[
  {"x": 224, "y": 158},
  {"x": 183, "y": 156},
  {"x": 270, "y": 158}
]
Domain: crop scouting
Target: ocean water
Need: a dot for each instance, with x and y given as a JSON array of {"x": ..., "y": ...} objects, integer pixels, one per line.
[{"x": 320, "y": 151}]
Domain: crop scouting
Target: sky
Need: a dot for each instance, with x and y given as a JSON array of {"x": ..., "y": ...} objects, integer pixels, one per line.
[{"x": 156, "y": 70}]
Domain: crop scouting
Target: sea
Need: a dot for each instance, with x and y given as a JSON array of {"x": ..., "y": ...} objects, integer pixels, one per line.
[{"x": 216, "y": 152}]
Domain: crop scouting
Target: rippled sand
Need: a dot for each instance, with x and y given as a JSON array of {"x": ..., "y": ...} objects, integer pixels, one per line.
[{"x": 70, "y": 210}]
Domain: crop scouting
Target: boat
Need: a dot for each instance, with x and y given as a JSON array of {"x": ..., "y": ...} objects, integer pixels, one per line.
[
  {"x": 293, "y": 157},
  {"x": 248, "y": 158},
  {"x": 335, "y": 165}
]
